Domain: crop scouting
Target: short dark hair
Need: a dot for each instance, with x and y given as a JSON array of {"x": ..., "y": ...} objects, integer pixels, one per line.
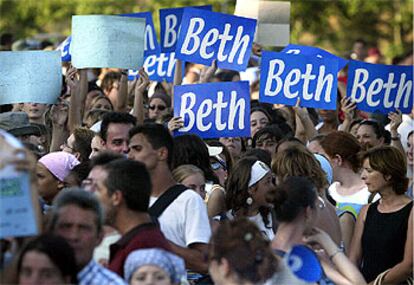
[
  {"x": 292, "y": 196},
  {"x": 132, "y": 179},
  {"x": 157, "y": 135},
  {"x": 115, "y": 118},
  {"x": 57, "y": 250},
  {"x": 82, "y": 144},
  {"x": 269, "y": 132},
  {"x": 104, "y": 157},
  {"x": 80, "y": 198}
]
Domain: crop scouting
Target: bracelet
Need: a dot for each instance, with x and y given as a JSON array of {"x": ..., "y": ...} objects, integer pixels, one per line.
[{"x": 335, "y": 253}]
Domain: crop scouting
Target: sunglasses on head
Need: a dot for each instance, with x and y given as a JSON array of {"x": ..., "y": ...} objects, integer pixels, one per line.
[{"x": 159, "y": 107}]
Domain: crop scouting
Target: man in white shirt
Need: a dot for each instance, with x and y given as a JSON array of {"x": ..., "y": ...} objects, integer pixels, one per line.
[{"x": 184, "y": 221}]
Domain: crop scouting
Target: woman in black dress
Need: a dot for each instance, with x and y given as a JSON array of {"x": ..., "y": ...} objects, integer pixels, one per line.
[{"x": 383, "y": 237}]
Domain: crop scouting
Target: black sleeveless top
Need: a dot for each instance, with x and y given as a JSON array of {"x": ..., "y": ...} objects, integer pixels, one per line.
[{"x": 383, "y": 240}]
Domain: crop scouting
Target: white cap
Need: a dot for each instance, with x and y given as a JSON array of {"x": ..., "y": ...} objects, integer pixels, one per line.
[{"x": 259, "y": 170}]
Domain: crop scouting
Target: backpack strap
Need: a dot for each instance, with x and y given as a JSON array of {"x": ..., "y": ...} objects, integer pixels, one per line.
[{"x": 165, "y": 200}]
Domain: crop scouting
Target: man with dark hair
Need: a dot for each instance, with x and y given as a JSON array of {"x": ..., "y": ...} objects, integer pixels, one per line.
[
  {"x": 77, "y": 216},
  {"x": 124, "y": 191},
  {"x": 114, "y": 131},
  {"x": 182, "y": 214},
  {"x": 79, "y": 144}
]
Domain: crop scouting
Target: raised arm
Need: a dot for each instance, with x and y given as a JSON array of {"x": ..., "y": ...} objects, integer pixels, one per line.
[
  {"x": 395, "y": 122},
  {"x": 343, "y": 271},
  {"x": 59, "y": 116},
  {"x": 140, "y": 87},
  {"x": 348, "y": 107},
  {"x": 78, "y": 92},
  {"x": 121, "y": 103},
  {"x": 304, "y": 126},
  {"x": 178, "y": 79},
  {"x": 194, "y": 256}
]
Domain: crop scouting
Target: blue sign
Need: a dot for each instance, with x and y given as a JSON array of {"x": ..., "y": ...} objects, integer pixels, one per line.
[
  {"x": 151, "y": 45},
  {"x": 284, "y": 78},
  {"x": 170, "y": 20},
  {"x": 304, "y": 263},
  {"x": 380, "y": 88},
  {"x": 159, "y": 67},
  {"x": 314, "y": 51},
  {"x": 64, "y": 49},
  {"x": 214, "y": 110},
  {"x": 206, "y": 36}
]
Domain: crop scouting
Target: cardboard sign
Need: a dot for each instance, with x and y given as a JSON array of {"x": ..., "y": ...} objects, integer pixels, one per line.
[
  {"x": 227, "y": 38},
  {"x": 273, "y": 20},
  {"x": 18, "y": 217},
  {"x": 30, "y": 76},
  {"x": 151, "y": 45},
  {"x": 159, "y": 67},
  {"x": 107, "y": 41},
  {"x": 380, "y": 88},
  {"x": 285, "y": 78},
  {"x": 170, "y": 22},
  {"x": 314, "y": 51},
  {"x": 214, "y": 110},
  {"x": 64, "y": 49}
]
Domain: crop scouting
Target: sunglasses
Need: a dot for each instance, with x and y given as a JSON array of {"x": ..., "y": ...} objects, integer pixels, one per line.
[
  {"x": 217, "y": 165},
  {"x": 159, "y": 107}
]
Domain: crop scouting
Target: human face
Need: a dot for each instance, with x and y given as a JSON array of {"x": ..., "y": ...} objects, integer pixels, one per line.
[
  {"x": 367, "y": 137},
  {"x": 157, "y": 108},
  {"x": 197, "y": 182},
  {"x": 261, "y": 189},
  {"x": 258, "y": 121},
  {"x": 117, "y": 137},
  {"x": 374, "y": 179},
  {"x": 150, "y": 275},
  {"x": 102, "y": 104},
  {"x": 48, "y": 185},
  {"x": 267, "y": 144},
  {"x": 410, "y": 149},
  {"x": 38, "y": 269},
  {"x": 79, "y": 227},
  {"x": 68, "y": 145},
  {"x": 97, "y": 174},
  {"x": 220, "y": 171},
  {"x": 315, "y": 147},
  {"x": 35, "y": 111},
  {"x": 97, "y": 145},
  {"x": 233, "y": 145},
  {"x": 141, "y": 150},
  {"x": 328, "y": 115}
]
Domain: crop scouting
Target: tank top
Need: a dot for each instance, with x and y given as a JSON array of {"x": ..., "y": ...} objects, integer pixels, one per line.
[{"x": 383, "y": 240}]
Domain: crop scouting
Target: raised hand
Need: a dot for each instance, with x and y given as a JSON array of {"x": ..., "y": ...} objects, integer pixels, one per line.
[
  {"x": 59, "y": 113},
  {"x": 72, "y": 79},
  {"x": 395, "y": 120},
  {"x": 175, "y": 124},
  {"x": 348, "y": 107}
]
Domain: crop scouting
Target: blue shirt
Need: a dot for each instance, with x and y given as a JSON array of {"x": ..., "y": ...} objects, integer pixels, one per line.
[{"x": 95, "y": 274}]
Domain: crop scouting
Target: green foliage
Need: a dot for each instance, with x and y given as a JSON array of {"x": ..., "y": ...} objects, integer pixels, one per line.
[{"x": 332, "y": 25}]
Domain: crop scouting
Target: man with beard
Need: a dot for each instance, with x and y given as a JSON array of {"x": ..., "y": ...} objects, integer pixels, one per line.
[{"x": 124, "y": 190}]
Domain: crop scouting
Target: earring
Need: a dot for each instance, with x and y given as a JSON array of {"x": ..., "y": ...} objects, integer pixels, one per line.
[{"x": 249, "y": 201}]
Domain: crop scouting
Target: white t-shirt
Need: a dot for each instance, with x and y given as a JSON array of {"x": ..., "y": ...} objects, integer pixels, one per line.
[
  {"x": 360, "y": 197},
  {"x": 185, "y": 220},
  {"x": 258, "y": 221}
]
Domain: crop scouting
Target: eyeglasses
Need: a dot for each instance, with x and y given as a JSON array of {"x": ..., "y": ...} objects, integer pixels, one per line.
[{"x": 159, "y": 107}]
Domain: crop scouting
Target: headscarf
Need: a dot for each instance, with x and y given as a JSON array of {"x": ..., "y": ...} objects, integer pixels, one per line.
[{"x": 59, "y": 163}]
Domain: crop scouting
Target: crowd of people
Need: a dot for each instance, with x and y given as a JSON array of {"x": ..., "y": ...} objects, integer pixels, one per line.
[{"x": 120, "y": 200}]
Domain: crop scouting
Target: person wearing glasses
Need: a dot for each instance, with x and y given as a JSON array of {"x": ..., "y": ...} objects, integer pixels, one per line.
[{"x": 159, "y": 106}]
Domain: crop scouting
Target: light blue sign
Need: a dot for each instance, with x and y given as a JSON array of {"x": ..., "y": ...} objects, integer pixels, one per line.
[
  {"x": 151, "y": 45},
  {"x": 284, "y": 78},
  {"x": 64, "y": 49},
  {"x": 170, "y": 22},
  {"x": 206, "y": 36},
  {"x": 214, "y": 110},
  {"x": 107, "y": 41},
  {"x": 159, "y": 67},
  {"x": 314, "y": 51},
  {"x": 380, "y": 88},
  {"x": 30, "y": 76}
]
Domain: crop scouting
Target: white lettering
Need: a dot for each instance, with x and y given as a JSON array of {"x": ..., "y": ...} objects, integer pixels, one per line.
[
  {"x": 374, "y": 88},
  {"x": 161, "y": 60},
  {"x": 191, "y": 34},
  {"x": 404, "y": 86},
  {"x": 359, "y": 84},
  {"x": 307, "y": 77},
  {"x": 238, "y": 41},
  {"x": 170, "y": 36},
  {"x": 236, "y": 107},
  {"x": 204, "y": 111},
  {"x": 149, "y": 38},
  {"x": 388, "y": 86},
  {"x": 322, "y": 81},
  {"x": 289, "y": 82},
  {"x": 209, "y": 39},
  {"x": 271, "y": 75},
  {"x": 149, "y": 64},
  {"x": 186, "y": 109},
  {"x": 219, "y": 106},
  {"x": 224, "y": 38}
]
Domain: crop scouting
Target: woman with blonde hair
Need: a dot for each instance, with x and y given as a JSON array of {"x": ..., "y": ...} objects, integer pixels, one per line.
[
  {"x": 299, "y": 161},
  {"x": 192, "y": 177}
]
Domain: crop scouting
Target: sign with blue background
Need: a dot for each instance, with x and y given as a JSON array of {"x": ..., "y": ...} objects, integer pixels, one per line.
[
  {"x": 214, "y": 110},
  {"x": 314, "y": 51},
  {"x": 64, "y": 49},
  {"x": 170, "y": 22},
  {"x": 206, "y": 36},
  {"x": 151, "y": 45},
  {"x": 159, "y": 67},
  {"x": 286, "y": 77},
  {"x": 380, "y": 88}
]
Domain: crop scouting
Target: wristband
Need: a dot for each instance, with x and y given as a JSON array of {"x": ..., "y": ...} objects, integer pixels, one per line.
[{"x": 335, "y": 253}]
